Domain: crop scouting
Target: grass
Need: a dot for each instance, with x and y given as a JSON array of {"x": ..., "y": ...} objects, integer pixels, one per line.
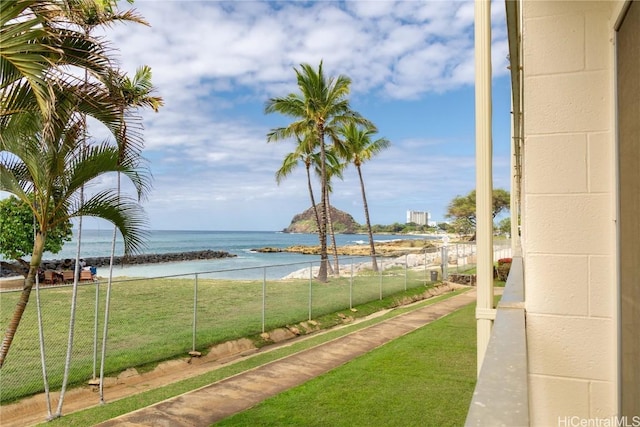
[
  {"x": 496, "y": 282},
  {"x": 425, "y": 378},
  {"x": 151, "y": 320},
  {"x": 113, "y": 409}
]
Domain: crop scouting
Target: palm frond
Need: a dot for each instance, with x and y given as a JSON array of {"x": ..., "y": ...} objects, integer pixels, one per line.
[{"x": 125, "y": 214}]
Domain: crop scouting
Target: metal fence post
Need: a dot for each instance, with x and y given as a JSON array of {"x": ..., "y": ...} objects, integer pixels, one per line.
[
  {"x": 425, "y": 265},
  {"x": 95, "y": 330},
  {"x": 264, "y": 297},
  {"x": 381, "y": 269},
  {"x": 310, "y": 290},
  {"x": 351, "y": 287},
  {"x": 195, "y": 312},
  {"x": 406, "y": 262}
]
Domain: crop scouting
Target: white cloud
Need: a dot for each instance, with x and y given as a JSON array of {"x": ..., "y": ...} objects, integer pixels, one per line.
[{"x": 213, "y": 61}]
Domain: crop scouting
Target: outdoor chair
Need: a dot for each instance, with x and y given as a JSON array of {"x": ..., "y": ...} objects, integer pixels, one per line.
[
  {"x": 67, "y": 276},
  {"x": 49, "y": 277}
]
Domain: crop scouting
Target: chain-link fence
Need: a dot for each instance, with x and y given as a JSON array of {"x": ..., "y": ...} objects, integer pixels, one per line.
[{"x": 159, "y": 318}]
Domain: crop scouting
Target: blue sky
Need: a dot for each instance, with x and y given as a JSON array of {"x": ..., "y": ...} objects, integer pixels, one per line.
[{"x": 216, "y": 63}]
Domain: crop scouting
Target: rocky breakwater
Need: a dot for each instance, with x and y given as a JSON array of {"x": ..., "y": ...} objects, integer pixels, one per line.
[
  {"x": 390, "y": 248},
  {"x": 157, "y": 258},
  {"x": 13, "y": 268}
]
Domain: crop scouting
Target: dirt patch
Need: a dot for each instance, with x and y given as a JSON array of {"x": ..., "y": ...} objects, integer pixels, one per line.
[
  {"x": 33, "y": 410},
  {"x": 11, "y": 283}
]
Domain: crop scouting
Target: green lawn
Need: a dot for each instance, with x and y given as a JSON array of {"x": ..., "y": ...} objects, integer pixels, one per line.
[
  {"x": 152, "y": 320},
  {"x": 425, "y": 378},
  {"x": 113, "y": 409}
]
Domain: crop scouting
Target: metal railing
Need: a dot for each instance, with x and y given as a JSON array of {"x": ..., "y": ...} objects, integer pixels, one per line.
[{"x": 501, "y": 396}]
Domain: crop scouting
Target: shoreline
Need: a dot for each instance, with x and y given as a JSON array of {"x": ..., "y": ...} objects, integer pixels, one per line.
[
  {"x": 384, "y": 249},
  {"x": 131, "y": 260}
]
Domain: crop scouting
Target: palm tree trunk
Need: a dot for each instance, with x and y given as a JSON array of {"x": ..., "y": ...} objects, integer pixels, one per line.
[
  {"x": 36, "y": 258},
  {"x": 72, "y": 320},
  {"x": 43, "y": 360},
  {"x": 43, "y": 363},
  {"x": 107, "y": 304},
  {"x": 76, "y": 272},
  {"x": 322, "y": 230},
  {"x": 374, "y": 263},
  {"x": 313, "y": 200},
  {"x": 336, "y": 266}
]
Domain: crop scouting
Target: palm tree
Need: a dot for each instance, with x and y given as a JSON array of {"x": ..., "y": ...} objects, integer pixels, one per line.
[
  {"x": 43, "y": 111},
  {"x": 303, "y": 153},
  {"x": 41, "y": 46},
  {"x": 358, "y": 148},
  {"x": 129, "y": 94},
  {"x": 88, "y": 16},
  {"x": 321, "y": 105},
  {"x": 47, "y": 175},
  {"x": 333, "y": 168}
]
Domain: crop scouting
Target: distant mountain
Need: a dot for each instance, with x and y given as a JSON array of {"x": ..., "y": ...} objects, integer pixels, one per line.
[{"x": 305, "y": 222}]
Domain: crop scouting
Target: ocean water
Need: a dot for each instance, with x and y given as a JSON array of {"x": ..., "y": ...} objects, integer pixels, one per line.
[{"x": 246, "y": 265}]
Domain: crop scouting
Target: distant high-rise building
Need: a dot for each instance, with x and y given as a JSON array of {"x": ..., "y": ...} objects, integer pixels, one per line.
[{"x": 418, "y": 217}]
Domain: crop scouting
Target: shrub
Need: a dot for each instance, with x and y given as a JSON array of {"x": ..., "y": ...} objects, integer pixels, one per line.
[{"x": 504, "y": 266}]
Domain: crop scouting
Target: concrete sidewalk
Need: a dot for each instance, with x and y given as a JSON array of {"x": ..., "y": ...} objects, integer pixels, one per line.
[{"x": 219, "y": 400}]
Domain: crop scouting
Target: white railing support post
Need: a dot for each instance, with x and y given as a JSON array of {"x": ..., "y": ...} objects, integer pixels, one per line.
[{"x": 484, "y": 172}]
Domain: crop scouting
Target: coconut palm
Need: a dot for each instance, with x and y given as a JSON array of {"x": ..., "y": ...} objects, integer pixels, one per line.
[
  {"x": 358, "y": 147},
  {"x": 303, "y": 153},
  {"x": 333, "y": 168},
  {"x": 321, "y": 105},
  {"x": 47, "y": 171}
]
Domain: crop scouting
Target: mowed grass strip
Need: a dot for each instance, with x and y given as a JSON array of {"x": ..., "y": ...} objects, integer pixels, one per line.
[
  {"x": 151, "y": 320},
  {"x": 113, "y": 409},
  {"x": 425, "y": 378}
]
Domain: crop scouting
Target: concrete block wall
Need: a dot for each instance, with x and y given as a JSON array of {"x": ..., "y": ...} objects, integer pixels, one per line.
[{"x": 568, "y": 210}]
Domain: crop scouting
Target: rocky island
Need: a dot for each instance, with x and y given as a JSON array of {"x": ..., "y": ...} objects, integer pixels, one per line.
[
  {"x": 305, "y": 222},
  {"x": 343, "y": 223}
]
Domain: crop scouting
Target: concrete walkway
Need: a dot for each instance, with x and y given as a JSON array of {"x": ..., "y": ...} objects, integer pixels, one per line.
[{"x": 219, "y": 400}]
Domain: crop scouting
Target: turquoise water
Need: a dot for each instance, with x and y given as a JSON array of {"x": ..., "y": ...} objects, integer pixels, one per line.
[{"x": 240, "y": 243}]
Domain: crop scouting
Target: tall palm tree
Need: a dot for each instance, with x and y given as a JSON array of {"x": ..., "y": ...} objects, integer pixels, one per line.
[
  {"x": 302, "y": 153},
  {"x": 47, "y": 174},
  {"x": 88, "y": 16},
  {"x": 358, "y": 147},
  {"x": 321, "y": 105},
  {"x": 129, "y": 95},
  {"x": 333, "y": 168}
]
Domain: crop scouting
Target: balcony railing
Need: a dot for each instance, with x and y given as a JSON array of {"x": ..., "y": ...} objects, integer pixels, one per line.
[{"x": 501, "y": 394}]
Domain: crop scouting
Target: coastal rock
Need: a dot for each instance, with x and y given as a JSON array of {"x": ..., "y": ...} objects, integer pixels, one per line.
[
  {"x": 158, "y": 258},
  {"x": 305, "y": 222},
  {"x": 268, "y": 250},
  {"x": 390, "y": 248},
  {"x": 12, "y": 268}
]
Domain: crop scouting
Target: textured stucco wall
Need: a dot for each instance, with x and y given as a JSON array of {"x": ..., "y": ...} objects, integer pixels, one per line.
[{"x": 568, "y": 212}]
